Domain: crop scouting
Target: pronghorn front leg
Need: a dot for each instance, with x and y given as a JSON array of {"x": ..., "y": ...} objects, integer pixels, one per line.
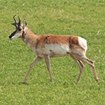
[
  {"x": 35, "y": 62},
  {"x": 47, "y": 60}
]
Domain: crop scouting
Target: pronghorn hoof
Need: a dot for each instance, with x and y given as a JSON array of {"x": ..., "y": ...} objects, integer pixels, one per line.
[
  {"x": 52, "y": 80},
  {"x": 97, "y": 79},
  {"x": 24, "y": 82}
]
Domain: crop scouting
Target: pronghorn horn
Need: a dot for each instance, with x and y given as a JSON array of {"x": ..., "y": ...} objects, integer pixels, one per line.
[
  {"x": 19, "y": 20},
  {"x": 14, "y": 18},
  {"x": 15, "y": 23}
]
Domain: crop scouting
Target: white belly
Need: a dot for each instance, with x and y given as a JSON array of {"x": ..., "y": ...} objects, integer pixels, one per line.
[{"x": 57, "y": 49}]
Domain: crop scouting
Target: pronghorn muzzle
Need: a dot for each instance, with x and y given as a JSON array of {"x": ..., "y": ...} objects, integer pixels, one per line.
[{"x": 12, "y": 34}]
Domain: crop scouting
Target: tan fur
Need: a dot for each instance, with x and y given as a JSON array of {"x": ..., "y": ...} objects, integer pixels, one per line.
[
  {"x": 51, "y": 39},
  {"x": 39, "y": 41},
  {"x": 46, "y": 46}
]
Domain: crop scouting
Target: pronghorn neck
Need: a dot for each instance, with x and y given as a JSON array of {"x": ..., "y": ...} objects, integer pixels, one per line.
[{"x": 29, "y": 37}]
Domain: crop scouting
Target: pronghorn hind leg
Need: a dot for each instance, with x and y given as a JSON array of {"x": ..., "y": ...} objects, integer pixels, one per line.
[
  {"x": 47, "y": 61},
  {"x": 91, "y": 64},
  {"x": 80, "y": 64},
  {"x": 34, "y": 63}
]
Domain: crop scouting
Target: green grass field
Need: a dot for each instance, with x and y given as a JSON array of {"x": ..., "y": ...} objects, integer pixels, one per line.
[{"x": 85, "y": 18}]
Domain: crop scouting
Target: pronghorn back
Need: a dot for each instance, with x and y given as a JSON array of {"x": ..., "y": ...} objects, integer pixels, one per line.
[{"x": 59, "y": 45}]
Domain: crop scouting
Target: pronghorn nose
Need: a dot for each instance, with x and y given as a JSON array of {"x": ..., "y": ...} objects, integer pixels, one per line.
[{"x": 10, "y": 36}]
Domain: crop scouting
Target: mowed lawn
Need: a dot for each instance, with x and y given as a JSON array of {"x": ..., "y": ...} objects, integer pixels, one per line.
[{"x": 85, "y": 18}]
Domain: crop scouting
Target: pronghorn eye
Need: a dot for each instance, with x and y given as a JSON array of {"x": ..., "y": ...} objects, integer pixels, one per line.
[{"x": 19, "y": 29}]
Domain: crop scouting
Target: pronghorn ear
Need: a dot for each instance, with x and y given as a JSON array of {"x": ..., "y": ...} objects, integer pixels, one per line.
[{"x": 25, "y": 23}]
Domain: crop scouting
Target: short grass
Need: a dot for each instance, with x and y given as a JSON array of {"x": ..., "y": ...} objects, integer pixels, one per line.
[{"x": 85, "y": 18}]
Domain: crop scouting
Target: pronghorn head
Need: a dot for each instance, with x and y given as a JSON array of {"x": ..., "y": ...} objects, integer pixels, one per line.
[{"x": 20, "y": 27}]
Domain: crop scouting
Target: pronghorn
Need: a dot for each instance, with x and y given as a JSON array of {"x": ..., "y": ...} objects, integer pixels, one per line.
[{"x": 47, "y": 46}]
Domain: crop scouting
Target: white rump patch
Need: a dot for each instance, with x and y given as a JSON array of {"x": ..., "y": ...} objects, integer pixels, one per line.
[{"x": 82, "y": 43}]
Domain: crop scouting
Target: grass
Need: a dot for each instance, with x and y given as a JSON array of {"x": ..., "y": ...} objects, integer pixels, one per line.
[{"x": 83, "y": 18}]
